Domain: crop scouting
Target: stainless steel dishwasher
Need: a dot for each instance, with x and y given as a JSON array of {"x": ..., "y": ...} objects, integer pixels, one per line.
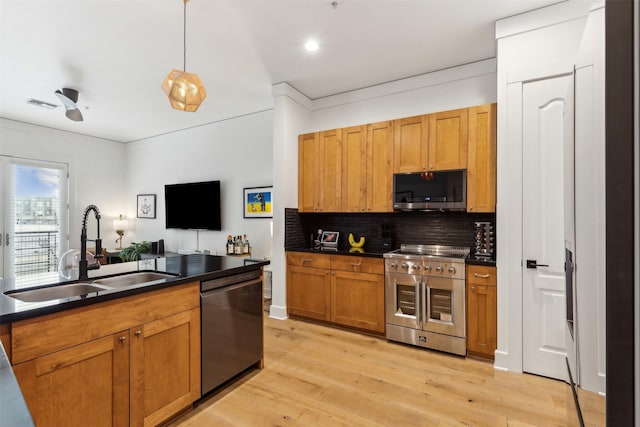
[{"x": 231, "y": 333}]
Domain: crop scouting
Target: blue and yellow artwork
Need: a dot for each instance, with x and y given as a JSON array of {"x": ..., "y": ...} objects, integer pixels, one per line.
[{"x": 258, "y": 203}]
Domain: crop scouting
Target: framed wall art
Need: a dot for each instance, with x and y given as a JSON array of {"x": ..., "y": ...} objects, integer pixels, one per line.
[
  {"x": 146, "y": 206},
  {"x": 258, "y": 202}
]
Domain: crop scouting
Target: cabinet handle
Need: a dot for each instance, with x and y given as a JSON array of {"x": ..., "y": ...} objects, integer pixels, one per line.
[
  {"x": 356, "y": 264},
  {"x": 473, "y": 289},
  {"x": 483, "y": 276},
  {"x": 138, "y": 333},
  {"x": 306, "y": 260},
  {"x": 123, "y": 339}
]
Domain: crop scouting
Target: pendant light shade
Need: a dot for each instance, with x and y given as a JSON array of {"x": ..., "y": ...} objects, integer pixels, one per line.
[{"x": 184, "y": 90}]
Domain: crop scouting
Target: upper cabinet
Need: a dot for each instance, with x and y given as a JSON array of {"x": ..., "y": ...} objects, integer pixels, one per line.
[
  {"x": 351, "y": 169},
  {"x": 448, "y": 140},
  {"x": 481, "y": 168},
  {"x": 319, "y": 171},
  {"x": 367, "y": 173},
  {"x": 410, "y": 144}
]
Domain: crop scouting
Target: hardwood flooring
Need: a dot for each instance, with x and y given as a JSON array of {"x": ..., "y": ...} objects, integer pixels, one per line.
[{"x": 316, "y": 375}]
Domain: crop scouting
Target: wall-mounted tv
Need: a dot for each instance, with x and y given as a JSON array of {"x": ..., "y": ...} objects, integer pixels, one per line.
[{"x": 194, "y": 205}]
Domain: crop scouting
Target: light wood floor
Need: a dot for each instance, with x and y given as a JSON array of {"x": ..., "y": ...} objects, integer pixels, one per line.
[{"x": 321, "y": 376}]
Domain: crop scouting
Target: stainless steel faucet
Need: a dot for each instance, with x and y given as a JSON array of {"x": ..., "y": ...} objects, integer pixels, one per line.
[{"x": 84, "y": 266}]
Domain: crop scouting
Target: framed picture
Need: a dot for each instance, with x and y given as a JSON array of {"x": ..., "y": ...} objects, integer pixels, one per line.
[
  {"x": 258, "y": 202},
  {"x": 146, "y": 206}
]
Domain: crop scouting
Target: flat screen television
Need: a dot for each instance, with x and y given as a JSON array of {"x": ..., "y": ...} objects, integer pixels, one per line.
[{"x": 193, "y": 206}]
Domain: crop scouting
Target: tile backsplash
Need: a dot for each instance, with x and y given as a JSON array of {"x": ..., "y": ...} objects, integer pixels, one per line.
[{"x": 441, "y": 228}]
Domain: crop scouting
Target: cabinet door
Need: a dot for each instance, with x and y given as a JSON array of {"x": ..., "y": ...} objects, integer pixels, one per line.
[
  {"x": 165, "y": 367},
  {"x": 357, "y": 300},
  {"x": 87, "y": 384},
  {"x": 308, "y": 166},
  {"x": 481, "y": 168},
  {"x": 379, "y": 183},
  {"x": 308, "y": 292},
  {"x": 330, "y": 184},
  {"x": 410, "y": 144},
  {"x": 481, "y": 311},
  {"x": 448, "y": 140},
  {"x": 354, "y": 169}
]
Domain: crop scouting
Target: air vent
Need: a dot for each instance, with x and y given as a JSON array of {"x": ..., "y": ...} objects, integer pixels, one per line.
[{"x": 42, "y": 104}]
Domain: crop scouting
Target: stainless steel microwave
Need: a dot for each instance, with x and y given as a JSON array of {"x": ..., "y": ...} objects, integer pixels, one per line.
[{"x": 439, "y": 190}]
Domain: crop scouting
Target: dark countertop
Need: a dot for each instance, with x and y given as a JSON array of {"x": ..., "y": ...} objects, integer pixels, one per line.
[
  {"x": 13, "y": 408},
  {"x": 339, "y": 252},
  {"x": 473, "y": 260},
  {"x": 187, "y": 268}
]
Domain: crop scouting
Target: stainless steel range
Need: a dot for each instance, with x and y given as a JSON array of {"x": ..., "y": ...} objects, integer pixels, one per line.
[{"x": 425, "y": 296}]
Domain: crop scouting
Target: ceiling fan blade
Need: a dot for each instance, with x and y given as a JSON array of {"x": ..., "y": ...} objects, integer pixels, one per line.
[
  {"x": 74, "y": 115},
  {"x": 66, "y": 101},
  {"x": 72, "y": 94}
]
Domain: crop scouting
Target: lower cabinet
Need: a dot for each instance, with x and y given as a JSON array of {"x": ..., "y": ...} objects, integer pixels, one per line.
[
  {"x": 345, "y": 290},
  {"x": 481, "y": 311},
  {"x": 138, "y": 376}
]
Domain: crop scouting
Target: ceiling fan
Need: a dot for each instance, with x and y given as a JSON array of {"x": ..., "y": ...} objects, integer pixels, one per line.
[{"x": 69, "y": 97}]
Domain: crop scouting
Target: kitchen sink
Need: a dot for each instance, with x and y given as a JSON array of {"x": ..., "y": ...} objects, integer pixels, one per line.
[
  {"x": 131, "y": 279},
  {"x": 55, "y": 292}
]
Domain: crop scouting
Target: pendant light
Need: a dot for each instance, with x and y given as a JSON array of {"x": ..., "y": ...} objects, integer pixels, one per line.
[{"x": 184, "y": 90}]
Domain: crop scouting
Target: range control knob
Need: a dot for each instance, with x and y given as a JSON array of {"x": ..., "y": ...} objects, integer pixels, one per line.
[
  {"x": 427, "y": 267},
  {"x": 439, "y": 269},
  {"x": 405, "y": 265},
  {"x": 416, "y": 266},
  {"x": 393, "y": 265},
  {"x": 452, "y": 270}
]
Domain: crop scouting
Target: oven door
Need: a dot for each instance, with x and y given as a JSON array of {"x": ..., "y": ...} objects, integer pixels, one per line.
[
  {"x": 443, "y": 306},
  {"x": 402, "y": 305}
]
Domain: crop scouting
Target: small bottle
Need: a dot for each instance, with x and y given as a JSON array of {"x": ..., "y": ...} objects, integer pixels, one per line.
[
  {"x": 229, "y": 245},
  {"x": 245, "y": 245},
  {"x": 238, "y": 246}
]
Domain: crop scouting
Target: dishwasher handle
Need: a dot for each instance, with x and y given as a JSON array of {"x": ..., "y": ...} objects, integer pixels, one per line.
[{"x": 236, "y": 279}]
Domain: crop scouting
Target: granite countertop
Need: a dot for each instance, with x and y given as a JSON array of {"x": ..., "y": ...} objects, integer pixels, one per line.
[
  {"x": 338, "y": 252},
  {"x": 186, "y": 268}
]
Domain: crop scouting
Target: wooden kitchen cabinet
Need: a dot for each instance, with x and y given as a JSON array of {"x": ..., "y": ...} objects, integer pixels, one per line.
[
  {"x": 87, "y": 384},
  {"x": 448, "y": 131},
  {"x": 131, "y": 361},
  {"x": 309, "y": 285},
  {"x": 410, "y": 144},
  {"x": 345, "y": 290},
  {"x": 319, "y": 172},
  {"x": 379, "y": 182},
  {"x": 481, "y": 311},
  {"x": 367, "y": 168},
  {"x": 357, "y": 292},
  {"x": 481, "y": 168}
]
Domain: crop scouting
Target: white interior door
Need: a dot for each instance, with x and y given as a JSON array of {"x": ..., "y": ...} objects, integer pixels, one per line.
[{"x": 543, "y": 110}]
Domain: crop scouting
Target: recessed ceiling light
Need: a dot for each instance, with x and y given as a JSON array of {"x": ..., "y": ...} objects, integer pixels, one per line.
[{"x": 311, "y": 45}]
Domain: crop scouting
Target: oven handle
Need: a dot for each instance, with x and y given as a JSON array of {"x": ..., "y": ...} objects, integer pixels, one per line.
[
  {"x": 425, "y": 303},
  {"x": 418, "y": 301}
]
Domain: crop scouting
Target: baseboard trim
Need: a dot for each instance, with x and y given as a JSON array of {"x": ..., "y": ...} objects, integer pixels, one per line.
[{"x": 278, "y": 312}]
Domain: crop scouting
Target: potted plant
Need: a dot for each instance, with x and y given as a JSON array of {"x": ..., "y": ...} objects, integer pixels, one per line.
[{"x": 132, "y": 252}]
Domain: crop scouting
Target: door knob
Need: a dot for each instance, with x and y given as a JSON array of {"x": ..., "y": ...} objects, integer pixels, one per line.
[{"x": 532, "y": 263}]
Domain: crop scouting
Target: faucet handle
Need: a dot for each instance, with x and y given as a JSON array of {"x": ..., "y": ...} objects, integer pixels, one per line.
[{"x": 98, "y": 253}]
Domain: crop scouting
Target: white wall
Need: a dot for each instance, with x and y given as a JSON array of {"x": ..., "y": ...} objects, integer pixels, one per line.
[
  {"x": 238, "y": 152},
  {"x": 96, "y": 170},
  {"x": 463, "y": 86}
]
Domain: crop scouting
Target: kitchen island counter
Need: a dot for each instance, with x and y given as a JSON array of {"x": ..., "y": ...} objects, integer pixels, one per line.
[{"x": 185, "y": 268}]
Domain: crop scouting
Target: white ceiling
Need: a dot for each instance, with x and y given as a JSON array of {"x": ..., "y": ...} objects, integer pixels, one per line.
[{"x": 117, "y": 53}]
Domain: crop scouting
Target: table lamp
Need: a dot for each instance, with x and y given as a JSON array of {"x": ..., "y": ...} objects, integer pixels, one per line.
[{"x": 120, "y": 225}]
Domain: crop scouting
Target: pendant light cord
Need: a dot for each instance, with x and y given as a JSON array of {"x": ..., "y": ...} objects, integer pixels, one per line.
[{"x": 184, "y": 37}]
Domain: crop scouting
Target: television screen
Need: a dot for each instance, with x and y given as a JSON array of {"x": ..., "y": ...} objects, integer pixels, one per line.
[{"x": 194, "y": 205}]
